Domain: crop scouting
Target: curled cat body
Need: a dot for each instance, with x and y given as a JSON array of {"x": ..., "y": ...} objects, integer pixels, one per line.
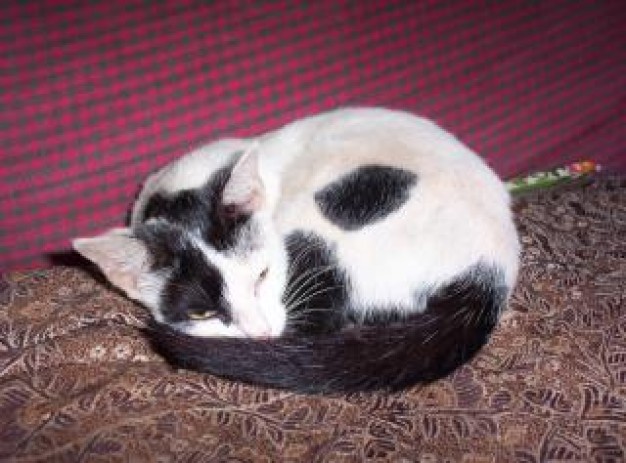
[{"x": 358, "y": 249}]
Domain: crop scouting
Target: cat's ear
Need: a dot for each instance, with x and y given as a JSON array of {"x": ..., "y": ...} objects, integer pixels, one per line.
[
  {"x": 122, "y": 258},
  {"x": 244, "y": 192}
]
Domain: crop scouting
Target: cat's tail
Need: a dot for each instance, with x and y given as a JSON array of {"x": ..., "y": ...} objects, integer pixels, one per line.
[{"x": 420, "y": 348}]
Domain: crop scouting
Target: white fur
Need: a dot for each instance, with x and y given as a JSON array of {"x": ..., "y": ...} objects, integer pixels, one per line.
[
  {"x": 261, "y": 315},
  {"x": 457, "y": 215}
]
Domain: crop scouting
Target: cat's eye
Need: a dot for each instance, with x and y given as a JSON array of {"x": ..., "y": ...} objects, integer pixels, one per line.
[
  {"x": 264, "y": 273},
  {"x": 203, "y": 315}
]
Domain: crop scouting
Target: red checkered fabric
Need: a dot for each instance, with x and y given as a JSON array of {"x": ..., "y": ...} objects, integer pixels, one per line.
[{"x": 94, "y": 95}]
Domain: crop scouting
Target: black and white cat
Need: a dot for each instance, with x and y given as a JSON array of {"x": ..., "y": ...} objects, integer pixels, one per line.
[{"x": 357, "y": 249}]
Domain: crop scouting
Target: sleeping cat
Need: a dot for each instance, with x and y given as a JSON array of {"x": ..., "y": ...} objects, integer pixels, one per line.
[{"x": 358, "y": 249}]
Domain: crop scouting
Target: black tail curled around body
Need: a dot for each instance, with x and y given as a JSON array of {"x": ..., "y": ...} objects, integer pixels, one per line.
[{"x": 421, "y": 348}]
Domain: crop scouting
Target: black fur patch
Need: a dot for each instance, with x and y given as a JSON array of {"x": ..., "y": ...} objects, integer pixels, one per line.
[
  {"x": 201, "y": 209},
  {"x": 458, "y": 320},
  {"x": 420, "y": 348},
  {"x": 193, "y": 285},
  {"x": 365, "y": 195},
  {"x": 316, "y": 290}
]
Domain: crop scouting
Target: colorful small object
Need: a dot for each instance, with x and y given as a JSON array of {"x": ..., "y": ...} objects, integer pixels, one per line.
[{"x": 552, "y": 177}]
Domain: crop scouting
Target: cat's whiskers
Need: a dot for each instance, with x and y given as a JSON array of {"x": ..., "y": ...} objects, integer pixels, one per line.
[
  {"x": 305, "y": 274},
  {"x": 302, "y": 292},
  {"x": 305, "y": 251},
  {"x": 302, "y": 319},
  {"x": 295, "y": 287},
  {"x": 299, "y": 274},
  {"x": 307, "y": 297},
  {"x": 304, "y": 315},
  {"x": 298, "y": 258}
]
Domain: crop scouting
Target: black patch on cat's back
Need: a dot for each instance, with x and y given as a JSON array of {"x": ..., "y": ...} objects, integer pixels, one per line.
[{"x": 365, "y": 195}]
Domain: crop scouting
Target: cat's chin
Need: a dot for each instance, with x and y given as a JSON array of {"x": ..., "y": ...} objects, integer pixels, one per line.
[{"x": 277, "y": 320}]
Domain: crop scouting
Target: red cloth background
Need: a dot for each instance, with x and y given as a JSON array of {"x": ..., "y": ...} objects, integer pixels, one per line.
[{"x": 94, "y": 95}]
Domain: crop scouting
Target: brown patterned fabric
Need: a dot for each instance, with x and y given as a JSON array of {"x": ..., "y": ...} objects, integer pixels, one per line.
[{"x": 78, "y": 381}]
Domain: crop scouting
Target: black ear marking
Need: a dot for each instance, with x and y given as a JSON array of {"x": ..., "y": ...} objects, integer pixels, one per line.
[
  {"x": 365, "y": 195},
  {"x": 202, "y": 209}
]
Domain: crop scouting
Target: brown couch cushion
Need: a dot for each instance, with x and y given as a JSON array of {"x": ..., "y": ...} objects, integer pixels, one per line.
[{"x": 78, "y": 380}]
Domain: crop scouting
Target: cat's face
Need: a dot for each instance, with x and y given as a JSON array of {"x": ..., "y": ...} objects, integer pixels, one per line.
[
  {"x": 208, "y": 292},
  {"x": 206, "y": 262},
  {"x": 196, "y": 289}
]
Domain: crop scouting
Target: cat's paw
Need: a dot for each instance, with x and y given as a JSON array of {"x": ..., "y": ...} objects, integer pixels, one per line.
[
  {"x": 277, "y": 320},
  {"x": 212, "y": 329}
]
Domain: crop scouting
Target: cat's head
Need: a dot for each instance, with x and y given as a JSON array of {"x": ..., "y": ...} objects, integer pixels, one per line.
[{"x": 207, "y": 261}]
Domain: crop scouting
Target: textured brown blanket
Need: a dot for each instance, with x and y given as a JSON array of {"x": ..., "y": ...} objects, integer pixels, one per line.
[{"x": 78, "y": 382}]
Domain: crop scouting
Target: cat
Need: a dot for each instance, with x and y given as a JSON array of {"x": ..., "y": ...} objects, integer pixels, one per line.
[{"x": 357, "y": 249}]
